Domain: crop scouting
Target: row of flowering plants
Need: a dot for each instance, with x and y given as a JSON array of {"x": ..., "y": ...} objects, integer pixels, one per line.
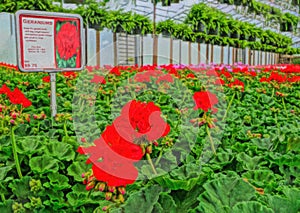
[{"x": 170, "y": 138}]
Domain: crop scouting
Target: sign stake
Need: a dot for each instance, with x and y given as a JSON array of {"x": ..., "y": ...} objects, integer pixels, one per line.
[{"x": 53, "y": 105}]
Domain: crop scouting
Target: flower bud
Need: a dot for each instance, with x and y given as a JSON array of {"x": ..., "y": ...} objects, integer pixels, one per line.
[
  {"x": 82, "y": 175},
  {"x": 108, "y": 195},
  {"x": 12, "y": 122},
  {"x": 35, "y": 117},
  {"x": 83, "y": 140},
  {"x": 149, "y": 149},
  {"x": 90, "y": 186},
  {"x": 105, "y": 208},
  {"x": 122, "y": 190},
  {"x": 121, "y": 198},
  {"x": 102, "y": 187},
  {"x": 111, "y": 189},
  {"x": 14, "y": 115},
  {"x": 155, "y": 143}
]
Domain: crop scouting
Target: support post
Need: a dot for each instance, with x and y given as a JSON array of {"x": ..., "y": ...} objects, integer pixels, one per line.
[{"x": 53, "y": 105}]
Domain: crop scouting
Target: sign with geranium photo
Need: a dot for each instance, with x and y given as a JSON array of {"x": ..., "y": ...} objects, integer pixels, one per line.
[{"x": 49, "y": 42}]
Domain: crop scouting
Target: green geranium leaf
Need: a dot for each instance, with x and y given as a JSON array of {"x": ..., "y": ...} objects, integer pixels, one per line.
[
  {"x": 166, "y": 204},
  {"x": 58, "y": 181},
  {"x": 223, "y": 193},
  {"x": 251, "y": 207},
  {"x": 174, "y": 184},
  {"x": 261, "y": 177},
  {"x": 141, "y": 201},
  {"x": 43, "y": 164},
  {"x": 60, "y": 151},
  {"x": 3, "y": 171},
  {"x": 249, "y": 163},
  {"x": 30, "y": 144},
  {"x": 76, "y": 169},
  {"x": 6, "y": 207},
  {"x": 20, "y": 187}
]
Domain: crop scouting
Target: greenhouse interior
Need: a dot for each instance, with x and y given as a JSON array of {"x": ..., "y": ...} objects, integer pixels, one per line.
[{"x": 156, "y": 106}]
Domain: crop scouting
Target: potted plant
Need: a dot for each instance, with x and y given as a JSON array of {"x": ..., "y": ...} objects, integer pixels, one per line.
[
  {"x": 245, "y": 30},
  {"x": 200, "y": 37},
  {"x": 254, "y": 33},
  {"x": 166, "y": 27},
  {"x": 143, "y": 24},
  {"x": 224, "y": 29},
  {"x": 198, "y": 16},
  {"x": 93, "y": 14},
  {"x": 184, "y": 32},
  {"x": 234, "y": 27}
]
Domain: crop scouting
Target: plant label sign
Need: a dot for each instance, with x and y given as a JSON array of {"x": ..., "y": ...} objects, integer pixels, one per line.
[{"x": 49, "y": 42}]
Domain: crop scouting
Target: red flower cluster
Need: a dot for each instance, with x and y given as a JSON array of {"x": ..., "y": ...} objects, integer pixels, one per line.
[
  {"x": 146, "y": 76},
  {"x": 237, "y": 84},
  {"x": 294, "y": 79},
  {"x": 46, "y": 79},
  {"x": 70, "y": 75},
  {"x": 67, "y": 41},
  {"x": 8, "y": 66},
  {"x": 16, "y": 96},
  {"x": 274, "y": 77},
  {"x": 117, "y": 149},
  {"x": 205, "y": 100},
  {"x": 97, "y": 79}
]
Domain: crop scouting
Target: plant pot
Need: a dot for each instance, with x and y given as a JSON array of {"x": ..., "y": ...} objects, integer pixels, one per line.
[
  {"x": 234, "y": 35},
  {"x": 166, "y": 2},
  {"x": 200, "y": 28},
  {"x": 200, "y": 40},
  {"x": 165, "y": 33},
  {"x": 224, "y": 34},
  {"x": 243, "y": 37},
  {"x": 136, "y": 31},
  {"x": 251, "y": 38},
  {"x": 237, "y": 2},
  {"x": 225, "y": 1},
  {"x": 213, "y": 32},
  {"x": 120, "y": 29},
  {"x": 95, "y": 26}
]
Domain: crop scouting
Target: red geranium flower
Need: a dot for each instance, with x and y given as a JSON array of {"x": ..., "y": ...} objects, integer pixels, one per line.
[
  {"x": 294, "y": 79},
  {"x": 4, "y": 89},
  {"x": 46, "y": 79},
  {"x": 205, "y": 100},
  {"x": 190, "y": 75},
  {"x": 17, "y": 97},
  {"x": 219, "y": 81},
  {"x": 237, "y": 84},
  {"x": 115, "y": 71},
  {"x": 140, "y": 119},
  {"x": 108, "y": 165},
  {"x": 166, "y": 78},
  {"x": 70, "y": 75},
  {"x": 98, "y": 79},
  {"x": 67, "y": 41}
]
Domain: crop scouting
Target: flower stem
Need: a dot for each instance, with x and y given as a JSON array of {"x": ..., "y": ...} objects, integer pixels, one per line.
[
  {"x": 3, "y": 198},
  {"x": 284, "y": 107},
  {"x": 159, "y": 157},
  {"x": 15, "y": 154},
  {"x": 230, "y": 102},
  {"x": 65, "y": 129},
  {"x": 151, "y": 163},
  {"x": 210, "y": 139}
]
